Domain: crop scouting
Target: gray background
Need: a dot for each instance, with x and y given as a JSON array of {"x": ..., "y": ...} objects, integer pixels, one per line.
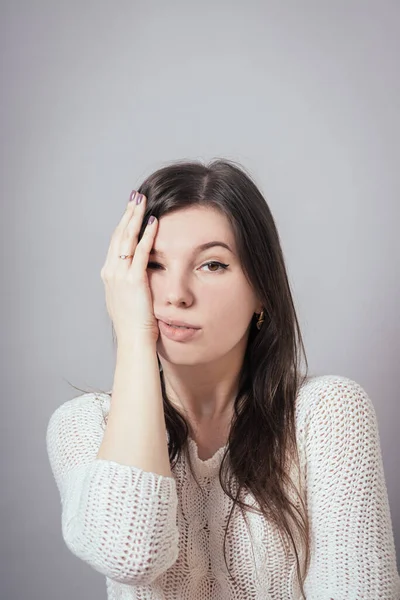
[{"x": 96, "y": 95}]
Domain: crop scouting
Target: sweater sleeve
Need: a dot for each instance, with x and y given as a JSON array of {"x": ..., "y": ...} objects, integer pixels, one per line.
[
  {"x": 120, "y": 519},
  {"x": 352, "y": 546}
]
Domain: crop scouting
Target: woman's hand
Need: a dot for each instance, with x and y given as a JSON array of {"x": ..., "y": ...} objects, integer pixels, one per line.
[{"x": 128, "y": 295}]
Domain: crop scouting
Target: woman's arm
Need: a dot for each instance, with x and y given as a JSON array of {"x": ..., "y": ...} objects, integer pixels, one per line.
[
  {"x": 135, "y": 433},
  {"x": 113, "y": 514},
  {"x": 352, "y": 552}
]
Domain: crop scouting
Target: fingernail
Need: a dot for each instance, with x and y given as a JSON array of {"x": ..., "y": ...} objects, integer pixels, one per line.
[
  {"x": 139, "y": 198},
  {"x": 132, "y": 196}
]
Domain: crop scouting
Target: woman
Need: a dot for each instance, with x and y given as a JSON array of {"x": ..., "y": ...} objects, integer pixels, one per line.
[{"x": 215, "y": 468}]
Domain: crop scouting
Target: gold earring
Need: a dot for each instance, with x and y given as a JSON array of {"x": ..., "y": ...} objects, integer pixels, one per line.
[{"x": 260, "y": 320}]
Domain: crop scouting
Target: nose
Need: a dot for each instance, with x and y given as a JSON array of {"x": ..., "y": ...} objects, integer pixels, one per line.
[{"x": 175, "y": 287}]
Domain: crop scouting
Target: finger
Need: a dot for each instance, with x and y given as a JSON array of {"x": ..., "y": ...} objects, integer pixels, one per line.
[
  {"x": 141, "y": 258},
  {"x": 127, "y": 215},
  {"x": 129, "y": 209},
  {"x": 124, "y": 239},
  {"x": 116, "y": 235}
]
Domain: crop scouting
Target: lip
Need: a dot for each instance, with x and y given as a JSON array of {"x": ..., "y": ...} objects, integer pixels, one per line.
[
  {"x": 177, "y": 335},
  {"x": 181, "y": 323}
]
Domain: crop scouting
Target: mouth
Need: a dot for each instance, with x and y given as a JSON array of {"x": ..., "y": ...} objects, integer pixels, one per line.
[
  {"x": 177, "y": 332},
  {"x": 176, "y": 326},
  {"x": 180, "y": 326}
]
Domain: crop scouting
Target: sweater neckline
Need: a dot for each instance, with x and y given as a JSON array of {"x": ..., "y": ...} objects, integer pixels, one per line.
[{"x": 209, "y": 465}]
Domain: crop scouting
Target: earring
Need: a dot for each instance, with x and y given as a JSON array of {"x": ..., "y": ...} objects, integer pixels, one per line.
[{"x": 260, "y": 319}]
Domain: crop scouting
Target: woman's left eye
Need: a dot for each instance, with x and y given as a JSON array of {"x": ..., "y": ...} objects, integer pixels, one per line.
[
  {"x": 154, "y": 265},
  {"x": 215, "y": 262}
]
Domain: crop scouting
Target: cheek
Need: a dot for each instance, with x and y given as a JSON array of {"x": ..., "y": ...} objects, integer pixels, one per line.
[{"x": 230, "y": 311}]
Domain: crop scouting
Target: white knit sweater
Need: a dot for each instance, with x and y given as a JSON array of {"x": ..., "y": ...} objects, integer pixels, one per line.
[{"x": 155, "y": 537}]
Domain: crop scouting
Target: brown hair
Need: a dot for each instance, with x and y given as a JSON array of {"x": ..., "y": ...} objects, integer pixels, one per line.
[{"x": 262, "y": 446}]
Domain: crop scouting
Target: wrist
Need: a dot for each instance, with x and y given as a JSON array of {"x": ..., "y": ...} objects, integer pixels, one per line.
[{"x": 138, "y": 345}]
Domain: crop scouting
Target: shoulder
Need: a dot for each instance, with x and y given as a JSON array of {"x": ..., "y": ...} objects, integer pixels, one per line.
[
  {"x": 90, "y": 401},
  {"x": 336, "y": 422},
  {"x": 329, "y": 390},
  {"x": 89, "y": 407},
  {"x": 333, "y": 401},
  {"x": 75, "y": 430}
]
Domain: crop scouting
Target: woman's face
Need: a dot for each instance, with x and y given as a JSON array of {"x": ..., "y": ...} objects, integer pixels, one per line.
[{"x": 184, "y": 287}]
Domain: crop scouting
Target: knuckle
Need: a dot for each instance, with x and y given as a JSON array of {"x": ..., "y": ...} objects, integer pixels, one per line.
[{"x": 130, "y": 230}]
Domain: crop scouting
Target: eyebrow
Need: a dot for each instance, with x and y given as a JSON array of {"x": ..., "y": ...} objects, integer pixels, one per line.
[{"x": 200, "y": 248}]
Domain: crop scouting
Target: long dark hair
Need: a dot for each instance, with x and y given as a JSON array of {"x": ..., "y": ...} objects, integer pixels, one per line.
[{"x": 262, "y": 446}]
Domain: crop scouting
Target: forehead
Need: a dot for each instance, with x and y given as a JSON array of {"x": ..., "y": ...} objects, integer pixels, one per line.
[{"x": 186, "y": 229}]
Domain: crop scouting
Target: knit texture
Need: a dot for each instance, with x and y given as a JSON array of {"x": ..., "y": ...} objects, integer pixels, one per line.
[{"x": 158, "y": 538}]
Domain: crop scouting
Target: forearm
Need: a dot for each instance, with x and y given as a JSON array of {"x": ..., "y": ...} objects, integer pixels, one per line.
[{"x": 135, "y": 434}]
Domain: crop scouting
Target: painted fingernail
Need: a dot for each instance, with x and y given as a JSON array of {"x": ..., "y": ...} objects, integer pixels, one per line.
[
  {"x": 132, "y": 196},
  {"x": 139, "y": 198},
  {"x": 151, "y": 220}
]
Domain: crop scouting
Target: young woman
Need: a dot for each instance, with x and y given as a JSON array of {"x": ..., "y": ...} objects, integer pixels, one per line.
[{"x": 215, "y": 468}]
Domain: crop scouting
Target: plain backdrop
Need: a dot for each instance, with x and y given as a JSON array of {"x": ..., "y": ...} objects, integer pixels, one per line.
[{"x": 94, "y": 97}]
